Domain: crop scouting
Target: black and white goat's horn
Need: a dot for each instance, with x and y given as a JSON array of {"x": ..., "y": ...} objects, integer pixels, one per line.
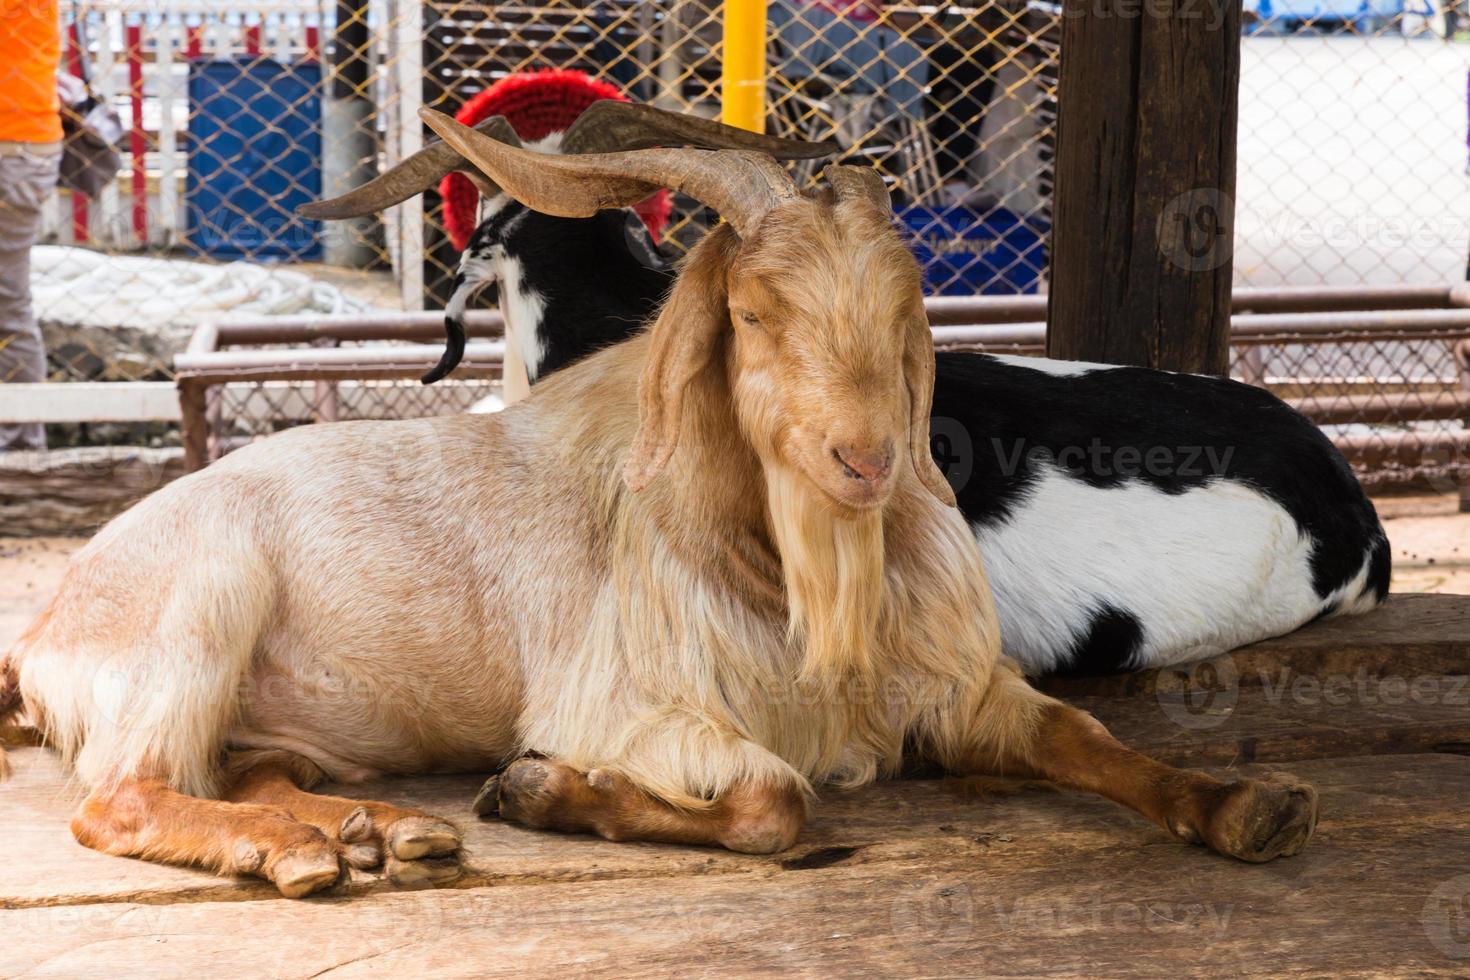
[
  {"x": 740, "y": 184},
  {"x": 603, "y": 127},
  {"x": 418, "y": 173}
]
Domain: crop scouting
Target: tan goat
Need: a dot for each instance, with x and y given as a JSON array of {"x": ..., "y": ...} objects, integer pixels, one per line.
[{"x": 697, "y": 602}]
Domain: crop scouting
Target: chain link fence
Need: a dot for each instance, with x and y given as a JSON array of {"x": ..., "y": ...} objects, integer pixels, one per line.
[
  {"x": 1352, "y": 144},
  {"x": 1391, "y": 388},
  {"x": 236, "y": 113},
  {"x": 1352, "y": 164}
]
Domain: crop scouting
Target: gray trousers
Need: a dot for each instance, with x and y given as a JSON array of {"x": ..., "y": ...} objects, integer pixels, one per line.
[{"x": 27, "y": 178}]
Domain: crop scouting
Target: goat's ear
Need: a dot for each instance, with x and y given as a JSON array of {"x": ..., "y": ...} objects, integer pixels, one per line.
[
  {"x": 918, "y": 371},
  {"x": 681, "y": 341}
]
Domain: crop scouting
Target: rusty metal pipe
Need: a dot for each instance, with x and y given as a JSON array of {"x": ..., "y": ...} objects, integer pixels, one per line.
[
  {"x": 333, "y": 364},
  {"x": 1319, "y": 299},
  {"x": 1402, "y": 324},
  {"x": 1406, "y": 449},
  {"x": 1384, "y": 408},
  {"x": 378, "y": 326},
  {"x": 1353, "y": 303}
]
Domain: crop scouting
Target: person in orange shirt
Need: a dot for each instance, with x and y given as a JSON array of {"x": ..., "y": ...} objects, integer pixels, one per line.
[{"x": 30, "y": 157}]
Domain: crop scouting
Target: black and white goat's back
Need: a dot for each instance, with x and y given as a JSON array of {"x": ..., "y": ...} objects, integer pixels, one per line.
[{"x": 1131, "y": 518}]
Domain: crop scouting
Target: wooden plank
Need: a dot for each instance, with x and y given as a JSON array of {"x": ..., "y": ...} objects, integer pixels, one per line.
[
  {"x": 1409, "y": 635},
  {"x": 1392, "y": 681},
  {"x": 1375, "y": 893},
  {"x": 884, "y": 820},
  {"x": 1145, "y": 184},
  {"x": 1293, "y": 717},
  {"x": 887, "y": 821},
  {"x": 90, "y": 401}
]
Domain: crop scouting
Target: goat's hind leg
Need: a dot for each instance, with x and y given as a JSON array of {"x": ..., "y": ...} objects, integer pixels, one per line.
[
  {"x": 416, "y": 848},
  {"x": 753, "y": 817},
  {"x": 146, "y": 819},
  {"x": 1020, "y": 732}
]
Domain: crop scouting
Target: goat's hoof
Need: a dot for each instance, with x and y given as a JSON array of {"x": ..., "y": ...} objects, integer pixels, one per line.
[
  {"x": 411, "y": 838},
  {"x": 422, "y": 851},
  {"x": 364, "y": 856},
  {"x": 425, "y": 872},
  {"x": 357, "y": 827},
  {"x": 1259, "y": 820},
  {"x": 529, "y": 789},
  {"x": 307, "y": 868},
  {"x": 248, "y": 858},
  {"x": 487, "y": 801}
]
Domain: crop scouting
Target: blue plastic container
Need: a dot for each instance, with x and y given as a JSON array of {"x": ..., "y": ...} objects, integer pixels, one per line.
[
  {"x": 964, "y": 253},
  {"x": 255, "y": 150}
]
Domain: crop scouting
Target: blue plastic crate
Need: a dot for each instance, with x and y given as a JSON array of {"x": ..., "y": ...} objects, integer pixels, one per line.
[
  {"x": 964, "y": 252},
  {"x": 255, "y": 150}
]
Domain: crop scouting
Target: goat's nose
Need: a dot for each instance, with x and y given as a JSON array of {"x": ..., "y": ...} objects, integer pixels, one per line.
[{"x": 868, "y": 463}]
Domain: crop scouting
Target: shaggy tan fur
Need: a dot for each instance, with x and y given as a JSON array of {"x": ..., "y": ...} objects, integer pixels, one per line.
[{"x": 448, "y": 594}]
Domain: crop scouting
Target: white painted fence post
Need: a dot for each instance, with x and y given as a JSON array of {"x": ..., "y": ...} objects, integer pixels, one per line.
[
  {"x": 407, "y": 32},
  {"x": 110, "y": 229},
  {"x": 166, "y": 225}
]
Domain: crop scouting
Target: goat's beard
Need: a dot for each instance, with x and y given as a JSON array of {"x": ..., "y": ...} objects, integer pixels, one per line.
[{"x": 832, "y": 568}]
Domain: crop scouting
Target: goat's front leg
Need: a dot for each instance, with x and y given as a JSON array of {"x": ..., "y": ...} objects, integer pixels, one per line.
[
  {"x": 756, "y": 818},
  {"x": 415, "y": 847},
  {"x": 1020, "y": 732},
  {"x": 146, "y": 819}
]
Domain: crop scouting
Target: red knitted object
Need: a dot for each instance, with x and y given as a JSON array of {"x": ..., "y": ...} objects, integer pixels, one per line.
[{"x": 537, "y": 103}]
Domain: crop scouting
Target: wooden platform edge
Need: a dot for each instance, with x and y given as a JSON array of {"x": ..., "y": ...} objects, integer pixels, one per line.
[{"x": 1410, "y": 635}]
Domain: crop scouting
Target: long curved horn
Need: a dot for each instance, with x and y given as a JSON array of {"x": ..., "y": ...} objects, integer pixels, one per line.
[
  {"x": 413, "y": 176},
  {"x": 609, "y": 125},
  {"x": 739, "y": 184},
  {"x": 849, "y": 182}
]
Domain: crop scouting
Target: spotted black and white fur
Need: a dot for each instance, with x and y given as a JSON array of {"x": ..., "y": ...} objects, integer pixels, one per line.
[
  {"x": 1128, "y": 518},
  {"x": 1131, "y": 518},
  {"x": 567, "y": 286}
]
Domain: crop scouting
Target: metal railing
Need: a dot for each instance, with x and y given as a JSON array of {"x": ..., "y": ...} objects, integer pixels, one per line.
[{"x": 238, "y": 382}]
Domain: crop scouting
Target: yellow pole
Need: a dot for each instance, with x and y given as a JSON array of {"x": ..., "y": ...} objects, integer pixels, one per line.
[{"x": 743, "y": 73}]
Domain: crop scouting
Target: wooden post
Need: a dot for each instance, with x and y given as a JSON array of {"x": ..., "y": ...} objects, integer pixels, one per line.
[
  {"x": 1145, "y": 182},
  {"x": 193, "y": 411}
]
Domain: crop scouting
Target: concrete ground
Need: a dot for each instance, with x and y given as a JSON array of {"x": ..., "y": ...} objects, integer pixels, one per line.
[{"x": 1431, "y": 553}]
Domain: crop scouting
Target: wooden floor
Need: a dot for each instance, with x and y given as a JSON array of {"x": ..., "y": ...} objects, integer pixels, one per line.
[{"x": 919, "y": 877}]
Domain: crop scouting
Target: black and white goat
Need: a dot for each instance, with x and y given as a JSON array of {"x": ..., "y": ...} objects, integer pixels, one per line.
[
  {"x": 567, "y": 286},
  {"x": 1129, "y": 518}
]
